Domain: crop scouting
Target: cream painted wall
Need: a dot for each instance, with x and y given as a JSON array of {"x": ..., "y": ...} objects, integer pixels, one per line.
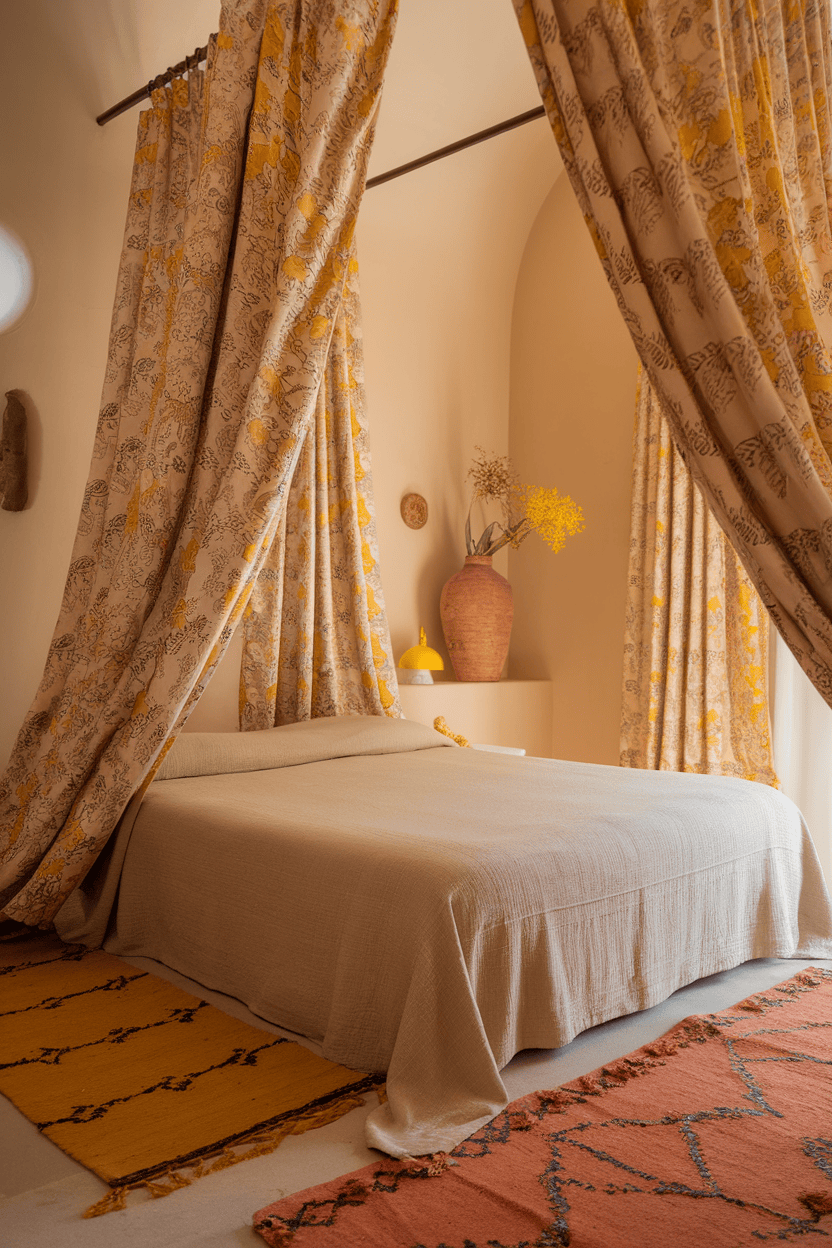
[
  {"x": 439, "y": 253},
  {"x": 439, "y": 256},
  {"x": 63, "y": 191},
  {"x": 573, "y": 372}
]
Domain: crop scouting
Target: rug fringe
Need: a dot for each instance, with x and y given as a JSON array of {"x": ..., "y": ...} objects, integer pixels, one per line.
[
  {"x": 429, "y": 1166},
  {"x": 696, "y": 1029},
  {"x": 761, "y": 1002},
  {"x": 116, "y": 1198},
  {"x": 281, "y": 1237},
  {"x": 258, "y": 1144},
  {"x": 173, "y": 1182},
  {"x": 818, "y": 1203},
  {"x": 614, "y": 1074}
]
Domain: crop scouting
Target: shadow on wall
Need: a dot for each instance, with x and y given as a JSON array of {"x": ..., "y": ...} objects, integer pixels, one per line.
[{"x": 34, "y": 446}]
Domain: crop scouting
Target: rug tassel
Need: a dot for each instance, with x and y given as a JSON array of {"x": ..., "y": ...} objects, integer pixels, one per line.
[
  {"x": 115, "y": 1199},
  {"x": 171, "y": 1182},
  {"x": 811, "y": 976},
  {"x": 261, "y": 1146},
  {"x": 280, "y": 1237},
  {"x": 617, "y": 1073},
  {"x": 258, "y": 1145},
  {"x": 818, "y": 1203},
  {"x": 329, "y": 1113}
]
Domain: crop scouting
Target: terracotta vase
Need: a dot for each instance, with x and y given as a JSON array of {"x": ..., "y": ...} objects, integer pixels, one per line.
[{"x": 476, "y": 607}]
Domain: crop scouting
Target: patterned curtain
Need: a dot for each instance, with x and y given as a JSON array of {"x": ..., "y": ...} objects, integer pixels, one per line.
[
  {"x": 238, "y": 238},
  {"x": 696, "y": 636},
  {"x": 316, "y": 640},
  {"x": 697, "y": 139}
]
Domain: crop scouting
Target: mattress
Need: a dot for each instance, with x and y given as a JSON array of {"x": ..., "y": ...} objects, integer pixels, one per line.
[{"x": 429, "y": 911}]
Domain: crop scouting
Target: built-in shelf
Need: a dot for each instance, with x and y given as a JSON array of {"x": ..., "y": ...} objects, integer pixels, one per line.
[{"x": 498, "y": 712}]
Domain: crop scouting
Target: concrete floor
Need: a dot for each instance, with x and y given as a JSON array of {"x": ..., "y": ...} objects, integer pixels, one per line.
[{"x": 44, "y": 1192}]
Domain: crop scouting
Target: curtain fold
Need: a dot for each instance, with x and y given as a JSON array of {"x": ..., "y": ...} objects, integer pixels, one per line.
[
  {"x": 316, "y": 640},
  {"x": 697, "y": 140},
  {"x": 234, "y": 261},
  {"x": 696, "y": 633}
]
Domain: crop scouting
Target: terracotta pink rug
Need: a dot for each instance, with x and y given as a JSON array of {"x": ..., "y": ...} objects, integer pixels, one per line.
[{"x": 718, "y": 1134}]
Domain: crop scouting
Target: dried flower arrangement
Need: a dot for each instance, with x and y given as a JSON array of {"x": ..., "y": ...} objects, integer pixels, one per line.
[{"x": 526, "y": 508}]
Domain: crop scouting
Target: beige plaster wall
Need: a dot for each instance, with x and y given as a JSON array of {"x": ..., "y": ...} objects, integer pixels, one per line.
[
  {"x": 573, "y": 371},
  {"x": 439, "y": 255},
  {"x": 63, "y": 191}
]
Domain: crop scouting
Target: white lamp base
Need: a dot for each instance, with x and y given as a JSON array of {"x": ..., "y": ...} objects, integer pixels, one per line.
[{"x": 415, "y": 676}]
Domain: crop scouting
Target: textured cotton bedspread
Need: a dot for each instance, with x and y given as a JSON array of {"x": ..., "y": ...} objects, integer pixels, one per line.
[{"x": 431, "y": 911}]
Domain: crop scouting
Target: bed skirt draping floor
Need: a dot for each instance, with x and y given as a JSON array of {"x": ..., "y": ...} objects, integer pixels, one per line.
[
  {"x": 719, "y": 1133},
  {"x": 143, "y": 1083}
]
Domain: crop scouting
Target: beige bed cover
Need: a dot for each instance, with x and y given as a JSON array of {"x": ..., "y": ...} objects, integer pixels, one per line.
[{"x": 429, "y": 911}]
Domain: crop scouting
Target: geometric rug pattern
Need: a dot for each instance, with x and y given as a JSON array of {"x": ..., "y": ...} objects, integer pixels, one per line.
[
  {"x": 143, "y": 1083},
  {"x": 718, "y": 1134}
]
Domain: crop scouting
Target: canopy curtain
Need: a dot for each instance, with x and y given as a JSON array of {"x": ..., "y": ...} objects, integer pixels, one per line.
[
  {"x": 238, "y": 238},
  {"x": 315, "y": 634},
  {"x": 697, "y": 140},
  {"x": 696, "y": 634}
]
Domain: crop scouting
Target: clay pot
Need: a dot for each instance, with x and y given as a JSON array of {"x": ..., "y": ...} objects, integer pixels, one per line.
[{"x": 476, "y": 607}]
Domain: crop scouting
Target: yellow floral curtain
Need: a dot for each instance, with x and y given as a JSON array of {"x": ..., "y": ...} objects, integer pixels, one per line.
[
  {"x": 316, "y": 640},
  {"x": 696, "y": 634},
  {"x": 697, "y": 140},
  {"x": 239, "y": 233}
]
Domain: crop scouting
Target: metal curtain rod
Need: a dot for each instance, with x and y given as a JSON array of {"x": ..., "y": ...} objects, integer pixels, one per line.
[
  {"x": 459, "y": 146},
  {"x": 190, "y": 62}
]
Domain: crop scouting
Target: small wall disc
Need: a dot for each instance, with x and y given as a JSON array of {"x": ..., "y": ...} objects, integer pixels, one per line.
[{"x": 414, "y": 511}]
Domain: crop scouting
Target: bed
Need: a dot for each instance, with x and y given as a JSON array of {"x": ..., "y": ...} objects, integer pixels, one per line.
[{"x": 429, "y": 911}]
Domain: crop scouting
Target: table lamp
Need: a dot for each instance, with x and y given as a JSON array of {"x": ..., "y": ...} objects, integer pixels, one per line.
[{"x": 418, "y": 662}]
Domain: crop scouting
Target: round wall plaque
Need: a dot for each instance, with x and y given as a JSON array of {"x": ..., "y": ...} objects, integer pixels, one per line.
[{"x": 414, "y": 511}]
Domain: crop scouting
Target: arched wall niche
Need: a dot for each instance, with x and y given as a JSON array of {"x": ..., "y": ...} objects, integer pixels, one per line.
[{"x": 572, "y": 383}]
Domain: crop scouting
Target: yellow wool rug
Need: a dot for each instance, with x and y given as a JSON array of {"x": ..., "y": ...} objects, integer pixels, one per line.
[{"x": 142, "y": 1083}]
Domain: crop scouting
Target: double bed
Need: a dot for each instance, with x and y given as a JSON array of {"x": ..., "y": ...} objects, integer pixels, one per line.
[{"x": 428, "y": 911}]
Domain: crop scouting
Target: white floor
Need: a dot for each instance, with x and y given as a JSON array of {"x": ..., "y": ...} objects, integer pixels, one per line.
[{"x": 44, "y": 1192}]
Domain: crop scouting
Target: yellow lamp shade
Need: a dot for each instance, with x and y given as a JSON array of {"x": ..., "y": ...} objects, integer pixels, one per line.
[{"x": 422, "y": 656}]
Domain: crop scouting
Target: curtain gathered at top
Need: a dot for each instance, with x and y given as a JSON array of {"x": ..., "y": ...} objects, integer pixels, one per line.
[
  {"x": 695, "y": 692},
  {"x": 315, "y": 635},
  {"x": 697, "y": 140},
  {"x": 246, "y": 185}
]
